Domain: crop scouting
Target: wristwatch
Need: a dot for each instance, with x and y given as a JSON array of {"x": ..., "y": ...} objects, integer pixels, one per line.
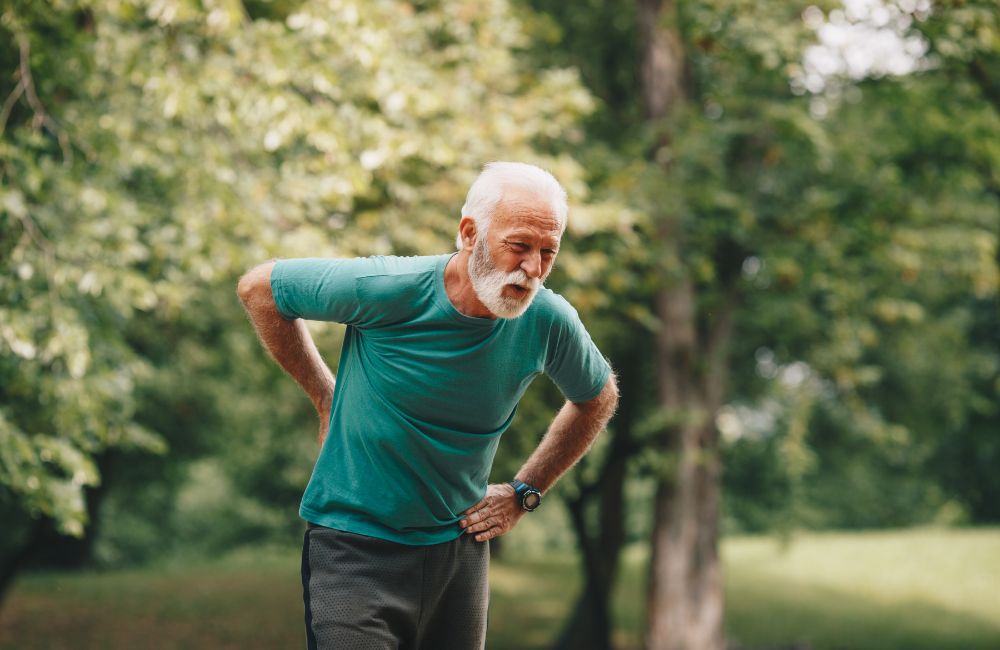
[{"x": 528, "y": 497}]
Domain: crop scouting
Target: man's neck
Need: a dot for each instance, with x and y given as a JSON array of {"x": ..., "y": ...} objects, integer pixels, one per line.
[{"x": 458, "y": 286}]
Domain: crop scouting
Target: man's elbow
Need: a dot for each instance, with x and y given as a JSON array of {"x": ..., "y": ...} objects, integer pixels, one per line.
[
  {"x": 610, "y": 395},
  {"x": 604, "y": 404},
  {"x": 255, "y": 284}
]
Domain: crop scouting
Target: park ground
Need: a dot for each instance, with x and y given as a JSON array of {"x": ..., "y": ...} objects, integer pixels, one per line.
[{"x": 915, "y": 589}]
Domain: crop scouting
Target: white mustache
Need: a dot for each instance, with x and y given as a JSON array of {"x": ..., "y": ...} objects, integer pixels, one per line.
[{"x": 520, "y": 278}]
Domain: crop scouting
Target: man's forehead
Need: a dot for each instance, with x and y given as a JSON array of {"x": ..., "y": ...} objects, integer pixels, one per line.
[
  {"x": 527, "y": 213},
  {"x": 542, "y": 225}
]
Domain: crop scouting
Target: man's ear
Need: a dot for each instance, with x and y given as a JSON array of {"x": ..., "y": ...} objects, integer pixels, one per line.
[{"x": 467, "y": 232}]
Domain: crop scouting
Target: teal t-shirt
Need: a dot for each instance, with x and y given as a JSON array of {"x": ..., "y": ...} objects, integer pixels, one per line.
[{"x": 423, "y": 392}]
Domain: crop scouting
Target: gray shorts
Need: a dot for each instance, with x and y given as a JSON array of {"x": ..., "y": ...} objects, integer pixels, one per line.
[{"x": 364, "y": 593}]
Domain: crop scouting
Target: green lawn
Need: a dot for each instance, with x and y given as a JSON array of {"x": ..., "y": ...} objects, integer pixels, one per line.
[
  {"x": 922, "y": 589},
  {"x": 903, "y": 589}
]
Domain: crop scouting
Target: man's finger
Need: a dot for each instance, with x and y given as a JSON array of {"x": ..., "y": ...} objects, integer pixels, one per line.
[
  {"x": 474, "y": 518},
  {"x": 479, "y": 506},
  {"x": 480, "y": 527},
  {"x": 485, "y": 524}
]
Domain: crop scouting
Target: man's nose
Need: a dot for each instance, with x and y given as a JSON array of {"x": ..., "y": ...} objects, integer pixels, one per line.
[{"x": 531, "y": 264}]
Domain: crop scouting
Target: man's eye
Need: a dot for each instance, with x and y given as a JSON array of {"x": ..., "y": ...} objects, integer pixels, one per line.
[
  {"x": 548, "y": 252},
  {"x": 519, "y": 246}
]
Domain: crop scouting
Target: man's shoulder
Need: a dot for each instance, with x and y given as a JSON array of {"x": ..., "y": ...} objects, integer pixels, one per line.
[
  {"x": 331, "y": 272},
  {"x": 548, "y": 302},
  {"x": 552, "y": 309},
  {"x": 392, "y": 265},
  {"x": 371, "y": 265},
  {"x": 400, "y": 287}
]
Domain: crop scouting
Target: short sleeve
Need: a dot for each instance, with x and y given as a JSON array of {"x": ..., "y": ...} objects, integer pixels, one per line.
[
  {"x": 573, "y": 361},
  {"x": 319, "y": 289}
]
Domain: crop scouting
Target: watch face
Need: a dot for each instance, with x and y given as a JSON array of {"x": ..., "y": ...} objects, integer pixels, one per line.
[{"x": 531, "y": 500}]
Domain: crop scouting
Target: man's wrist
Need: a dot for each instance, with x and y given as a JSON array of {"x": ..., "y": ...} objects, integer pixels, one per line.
[
  {"x": 528, "y": 497},
  {"x": 322, "y": 394}
]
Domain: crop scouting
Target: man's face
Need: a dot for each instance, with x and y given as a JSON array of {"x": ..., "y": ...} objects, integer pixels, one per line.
[{"x": 509, "y": 263}]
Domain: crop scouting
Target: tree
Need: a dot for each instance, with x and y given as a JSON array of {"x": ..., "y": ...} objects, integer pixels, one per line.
[
  {"x": 854, "y": 268},
  {"x": 783, "y": 226},
  {"x": 964, "y": 39}
]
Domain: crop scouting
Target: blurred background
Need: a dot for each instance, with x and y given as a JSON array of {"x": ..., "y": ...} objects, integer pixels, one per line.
[{"x": 783, "y": 233}]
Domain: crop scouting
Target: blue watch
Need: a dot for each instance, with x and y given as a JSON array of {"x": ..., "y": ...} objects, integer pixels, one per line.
[{"x": 528, "y": 497}]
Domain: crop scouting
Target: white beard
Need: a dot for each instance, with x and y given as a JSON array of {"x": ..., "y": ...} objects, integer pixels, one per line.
[{"x": 488, "y": 282}]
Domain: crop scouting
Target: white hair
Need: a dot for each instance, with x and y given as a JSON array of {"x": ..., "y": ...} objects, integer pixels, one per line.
[{"x": 488, "y": 189}]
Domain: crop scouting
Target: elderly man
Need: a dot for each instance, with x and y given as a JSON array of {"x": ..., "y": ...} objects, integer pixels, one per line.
[{"x": 437, "y": 353}]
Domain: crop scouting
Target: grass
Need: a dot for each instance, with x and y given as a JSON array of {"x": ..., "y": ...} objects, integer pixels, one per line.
[
  {"x": 917, "y": 589},
  {"x": 241, "y": 602},
  {"x": 926, "y": 589}
]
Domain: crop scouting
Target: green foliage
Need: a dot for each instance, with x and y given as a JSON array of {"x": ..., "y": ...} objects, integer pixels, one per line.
[{"x": 855, "y": 231}]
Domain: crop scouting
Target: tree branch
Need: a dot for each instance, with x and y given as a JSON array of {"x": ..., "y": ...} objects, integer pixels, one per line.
[
  {"x": 8, "y": 104},
  {"x": 41, "y": 116}
]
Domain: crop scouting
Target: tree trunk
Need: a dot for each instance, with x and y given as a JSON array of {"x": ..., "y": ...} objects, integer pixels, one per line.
[
  {"x": 662, "y": 66},
  {"x": 14, "y": 559},
  {"x": 685, "y": 599},
  {"x": 685, "y": 606},
  {"x": 589, "y": 626}
]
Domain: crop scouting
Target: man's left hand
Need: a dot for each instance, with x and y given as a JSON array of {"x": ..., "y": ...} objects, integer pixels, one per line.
[{"x": 495, "y": 515}]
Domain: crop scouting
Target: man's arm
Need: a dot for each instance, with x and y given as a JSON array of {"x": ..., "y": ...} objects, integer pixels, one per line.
[
  {"x": 288, "y": 341},
  {"x": 570, "y": 435}
]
